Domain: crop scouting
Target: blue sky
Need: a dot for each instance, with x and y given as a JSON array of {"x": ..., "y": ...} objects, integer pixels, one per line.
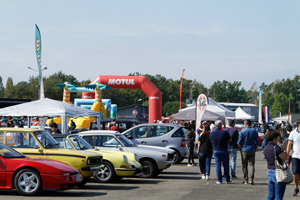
[{"x": 231, "y": 40}]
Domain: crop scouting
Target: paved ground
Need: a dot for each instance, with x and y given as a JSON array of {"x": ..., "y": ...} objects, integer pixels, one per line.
[{"x": 178, "y": 182}]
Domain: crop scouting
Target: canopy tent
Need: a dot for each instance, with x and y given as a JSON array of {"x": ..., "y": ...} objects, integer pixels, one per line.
[
  {"x": 219, "y": 109},
  {"x": 189, "y": 113},
  {"x": 49, "y": 108},
  {"x": 213, "y": 112},
  {"x": 241, "y": 114}
]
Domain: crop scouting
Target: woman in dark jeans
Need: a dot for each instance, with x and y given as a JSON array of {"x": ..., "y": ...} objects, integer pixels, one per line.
[
  {"x": 276, "y": 190},
  {"x": 205, "y": 152}
]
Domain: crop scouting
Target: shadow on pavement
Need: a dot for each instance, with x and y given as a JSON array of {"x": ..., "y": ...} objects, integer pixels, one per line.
[
  {"x": 182, "y": 173},
  {"x": 180, "y": 177},
  {"x": 131, "y": 181},
  {"x": 72, "y": 193},
  {"x": 108, "y": 187}
]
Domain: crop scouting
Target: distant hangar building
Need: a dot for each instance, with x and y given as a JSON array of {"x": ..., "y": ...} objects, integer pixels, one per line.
[{"x": 249, "y": 108}]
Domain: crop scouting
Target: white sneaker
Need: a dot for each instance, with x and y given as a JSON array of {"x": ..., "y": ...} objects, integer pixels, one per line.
[
  {"x": 218, "y": 183},
  {"x": 206, "y": 177},
  {"x": 189, "y": 165},
  {"x": 203, "y": 177}
]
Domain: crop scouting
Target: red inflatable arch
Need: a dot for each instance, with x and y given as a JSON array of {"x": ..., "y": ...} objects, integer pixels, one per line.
[{"x": 133, "y": 82}]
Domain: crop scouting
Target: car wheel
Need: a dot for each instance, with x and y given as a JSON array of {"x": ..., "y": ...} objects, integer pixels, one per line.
[
  {"x": 28, "y": 182},
  {"x": 178, "y": 158},
  {"x": 150, "y": 169},
  {"x": 107, "y": 174}
]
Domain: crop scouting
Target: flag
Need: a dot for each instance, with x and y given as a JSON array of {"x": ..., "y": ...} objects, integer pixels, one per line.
[
  {"x": 289, "y": 112},
  {"x": 38, "y": 48},
  {"x": 180, "y": 90}
]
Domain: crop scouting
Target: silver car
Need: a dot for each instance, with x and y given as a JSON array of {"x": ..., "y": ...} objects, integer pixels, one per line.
[
  {"x": 158, "y": 134},
  {"x": 153, "y": 159}
]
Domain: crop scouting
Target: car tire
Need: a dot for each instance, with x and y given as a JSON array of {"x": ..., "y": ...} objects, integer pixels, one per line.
[
  {"x": 107, "y": 174},
  {"x": 151, "y": 169},
  {"x": 178, "y": 158},
  {"x": 28, "y": 182}
]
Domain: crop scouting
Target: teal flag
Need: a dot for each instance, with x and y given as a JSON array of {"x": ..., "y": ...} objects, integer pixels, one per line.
[{"x": 38, "y": 49}]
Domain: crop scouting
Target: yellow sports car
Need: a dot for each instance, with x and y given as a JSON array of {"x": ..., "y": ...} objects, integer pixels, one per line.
[
  {"x": 116, "y": 164},
  {"x": 40, "y": 144}
]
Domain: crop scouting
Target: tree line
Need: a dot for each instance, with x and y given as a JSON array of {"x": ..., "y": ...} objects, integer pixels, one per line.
[{"x": 276, "y": 95}]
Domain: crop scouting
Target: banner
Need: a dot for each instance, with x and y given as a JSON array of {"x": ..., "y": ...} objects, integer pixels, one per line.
[
  {"x": 38, "y": 48},
  {"x": 180, "y": 89},
  {"x": 202, "y": 102},
  {"x": 266, "y": 111},
  {"x": 38, "y": 51}
]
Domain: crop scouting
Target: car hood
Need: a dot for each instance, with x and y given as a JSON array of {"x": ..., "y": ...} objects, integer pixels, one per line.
[
  {"x": 73, "y": 152},
  {"x": 46, "y": 165},
  {"x": 149, "y": 149},
  {"x": 161, "y": 149}
]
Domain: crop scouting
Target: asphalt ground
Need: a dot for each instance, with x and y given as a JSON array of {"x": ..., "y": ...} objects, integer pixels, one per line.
[{"x": 178, "y": 182}]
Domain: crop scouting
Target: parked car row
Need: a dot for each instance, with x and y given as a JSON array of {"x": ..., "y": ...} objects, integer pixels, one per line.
[{"x": 67, "y": 161}]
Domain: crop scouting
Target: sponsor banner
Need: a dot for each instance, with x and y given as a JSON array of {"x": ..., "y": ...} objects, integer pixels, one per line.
[
  {"x": 202, "y": 102},
  {"x": 38, "y": 48},
  {"x": 113, "y": 81},
  {"x": 266, "y": 111}
]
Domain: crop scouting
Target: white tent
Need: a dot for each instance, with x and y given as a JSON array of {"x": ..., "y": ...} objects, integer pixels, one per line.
[
  {"x": 213, "y": 112},
  {"x": 49, "y": 108},
  {"x": 241, "y": 114},
  {"x": 189, "y": 114},
  {"x": 219, "y": 109}
]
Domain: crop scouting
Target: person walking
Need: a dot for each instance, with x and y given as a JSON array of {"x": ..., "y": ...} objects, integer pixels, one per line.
[
  {"x": 205, "y": 152},
  {"x": 276, "y": 190},
  {"x": 294, "y": 139},
  {"x": 248, "y": 144},
  {"x": 190, "y": 143},
  {"x": 232, "y": 146},
  {"x": 220, "y": 139}
]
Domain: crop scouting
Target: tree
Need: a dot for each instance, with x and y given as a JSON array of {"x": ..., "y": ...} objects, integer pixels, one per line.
[
  {"x": 2, "y": 89},
  {"x": 8, "y": 88}
]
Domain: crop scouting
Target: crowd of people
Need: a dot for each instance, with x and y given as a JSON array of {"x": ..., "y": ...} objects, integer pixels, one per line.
[{"x": 213, "y": 139}]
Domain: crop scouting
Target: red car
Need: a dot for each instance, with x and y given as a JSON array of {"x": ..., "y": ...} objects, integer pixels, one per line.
[{"x": 29, "y": 176}]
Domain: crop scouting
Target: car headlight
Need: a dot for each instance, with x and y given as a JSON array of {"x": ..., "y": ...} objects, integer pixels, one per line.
[
  {"x": 136, "y": 157},
  {"x": 125, "y": 159}
]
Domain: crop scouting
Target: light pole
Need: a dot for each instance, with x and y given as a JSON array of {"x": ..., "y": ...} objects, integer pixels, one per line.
[{"x": 41, "y": 84}]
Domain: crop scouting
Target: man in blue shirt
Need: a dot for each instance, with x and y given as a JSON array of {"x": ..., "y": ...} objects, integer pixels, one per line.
[
  {"x": 232, "y": 146},
  {"x": 248, "y": 144},
  {"x": 219, "y": 140}
]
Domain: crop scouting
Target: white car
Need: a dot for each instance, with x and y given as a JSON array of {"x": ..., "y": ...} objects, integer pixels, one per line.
[{"x": 153, "y": 159}]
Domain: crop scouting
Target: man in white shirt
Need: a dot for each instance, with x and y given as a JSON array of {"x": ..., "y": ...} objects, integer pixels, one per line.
[{"x": 294, "y": 139}]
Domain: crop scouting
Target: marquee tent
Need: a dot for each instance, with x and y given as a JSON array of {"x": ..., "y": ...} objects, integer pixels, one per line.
[
  {"x": 241, "y": 114},
  {"x": 189, "y": 113},
  {"x": 49, "y": 108}
]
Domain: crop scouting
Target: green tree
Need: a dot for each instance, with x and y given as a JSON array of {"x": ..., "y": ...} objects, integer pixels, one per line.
[
  {"x": 2, "y": 89},
  {"x": 8, "y": 88}
]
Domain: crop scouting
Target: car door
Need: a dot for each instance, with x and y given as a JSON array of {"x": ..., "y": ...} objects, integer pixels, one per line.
[
  {"x": 158, "y": 135},
  {"x": 25, "y": 143},
  {"x": 2, "y": 164},
  {"x": 2, "y": 171}
]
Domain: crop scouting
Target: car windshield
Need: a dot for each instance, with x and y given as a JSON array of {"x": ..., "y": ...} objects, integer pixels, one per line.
[
  {"x": 7, "y": 152},
  {"x": 46, "y": 139},
  {"x": 79, "y": 143},
  {"x": 125, "y": 141}
]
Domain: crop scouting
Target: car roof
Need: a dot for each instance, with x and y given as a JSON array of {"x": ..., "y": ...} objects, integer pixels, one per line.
[
  {"x": 19, "y": 129},
  {"x": 99, "y": 132},
  {"x": 158, "y": 124}
]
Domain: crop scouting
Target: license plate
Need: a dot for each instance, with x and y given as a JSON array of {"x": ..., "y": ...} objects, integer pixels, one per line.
[{"x": 78, "y": 178}]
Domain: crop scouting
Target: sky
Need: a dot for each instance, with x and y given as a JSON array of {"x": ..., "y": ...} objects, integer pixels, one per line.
[{"x": 248, "y": 41}]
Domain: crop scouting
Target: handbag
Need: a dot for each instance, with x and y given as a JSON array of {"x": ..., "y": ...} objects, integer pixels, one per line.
[{"x": 283, "y": 173}]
